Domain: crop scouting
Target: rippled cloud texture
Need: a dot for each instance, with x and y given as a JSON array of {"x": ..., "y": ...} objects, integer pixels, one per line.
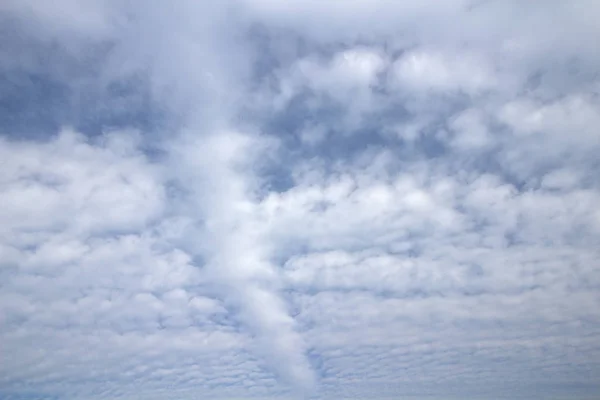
[{"x": 299, "y": 199}]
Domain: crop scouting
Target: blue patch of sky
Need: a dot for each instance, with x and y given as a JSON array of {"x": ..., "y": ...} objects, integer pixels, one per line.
[
  {"x": 53, "y": 88},
  {"x": 27, "y": 395}
]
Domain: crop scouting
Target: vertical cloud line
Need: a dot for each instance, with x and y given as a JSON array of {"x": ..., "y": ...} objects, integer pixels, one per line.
[{"x": 237, "y": 251}]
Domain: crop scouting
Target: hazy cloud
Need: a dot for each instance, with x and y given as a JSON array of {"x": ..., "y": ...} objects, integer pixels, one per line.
[{"x": 266, "y": 199}]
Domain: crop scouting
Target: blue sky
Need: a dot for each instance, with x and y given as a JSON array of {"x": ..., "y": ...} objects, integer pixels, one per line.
[{"x": 299, "y": 200}]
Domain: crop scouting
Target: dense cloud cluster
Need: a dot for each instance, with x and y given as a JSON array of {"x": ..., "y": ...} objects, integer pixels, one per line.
[{"x": 299, "y": 199}]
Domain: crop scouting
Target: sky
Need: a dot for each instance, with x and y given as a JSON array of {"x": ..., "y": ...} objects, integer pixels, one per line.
[{"x": 301, "y": 199}]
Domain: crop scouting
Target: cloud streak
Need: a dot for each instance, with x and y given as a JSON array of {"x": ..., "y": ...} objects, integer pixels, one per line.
[{"x": 237, "y": 255}]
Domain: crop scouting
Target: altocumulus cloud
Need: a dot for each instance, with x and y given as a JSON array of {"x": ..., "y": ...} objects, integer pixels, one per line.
[{"x": 299, "y": 199}]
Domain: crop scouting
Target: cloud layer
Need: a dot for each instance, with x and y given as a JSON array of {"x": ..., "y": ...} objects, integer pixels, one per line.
[{"x": 301, "y": 199}]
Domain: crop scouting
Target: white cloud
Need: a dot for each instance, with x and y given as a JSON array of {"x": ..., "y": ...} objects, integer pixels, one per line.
[
  {"x": 422, "y": 71},
  {"x": 471, "y": 131},
  {"x": 237, "y": 256},
  {"x": 367, "y": 199},
  {"x": 348, "y": 78},
  {"x": 110, "y": 187},
  {"x": 93, "y": 293}
]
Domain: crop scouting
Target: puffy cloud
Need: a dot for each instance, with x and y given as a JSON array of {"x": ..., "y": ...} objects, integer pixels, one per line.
[
  {"x": 111, "y": 185},
  {"x": 299, "y": 200},
  {"x": 423, "y": 71}
]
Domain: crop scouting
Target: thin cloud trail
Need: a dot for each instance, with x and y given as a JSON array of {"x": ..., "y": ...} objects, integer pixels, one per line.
[
  {"x": 203, "y": 83},
  {"x": 238, "y": 253}
]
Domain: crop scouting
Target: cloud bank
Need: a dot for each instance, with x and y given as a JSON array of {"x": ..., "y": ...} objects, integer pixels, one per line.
[{"x": 301, "y": 199}]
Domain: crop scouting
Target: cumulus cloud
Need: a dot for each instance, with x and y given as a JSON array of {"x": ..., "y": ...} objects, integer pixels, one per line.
[
  {"x": 423, "y": 71},
  {"x": 299, "y": 200}
]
